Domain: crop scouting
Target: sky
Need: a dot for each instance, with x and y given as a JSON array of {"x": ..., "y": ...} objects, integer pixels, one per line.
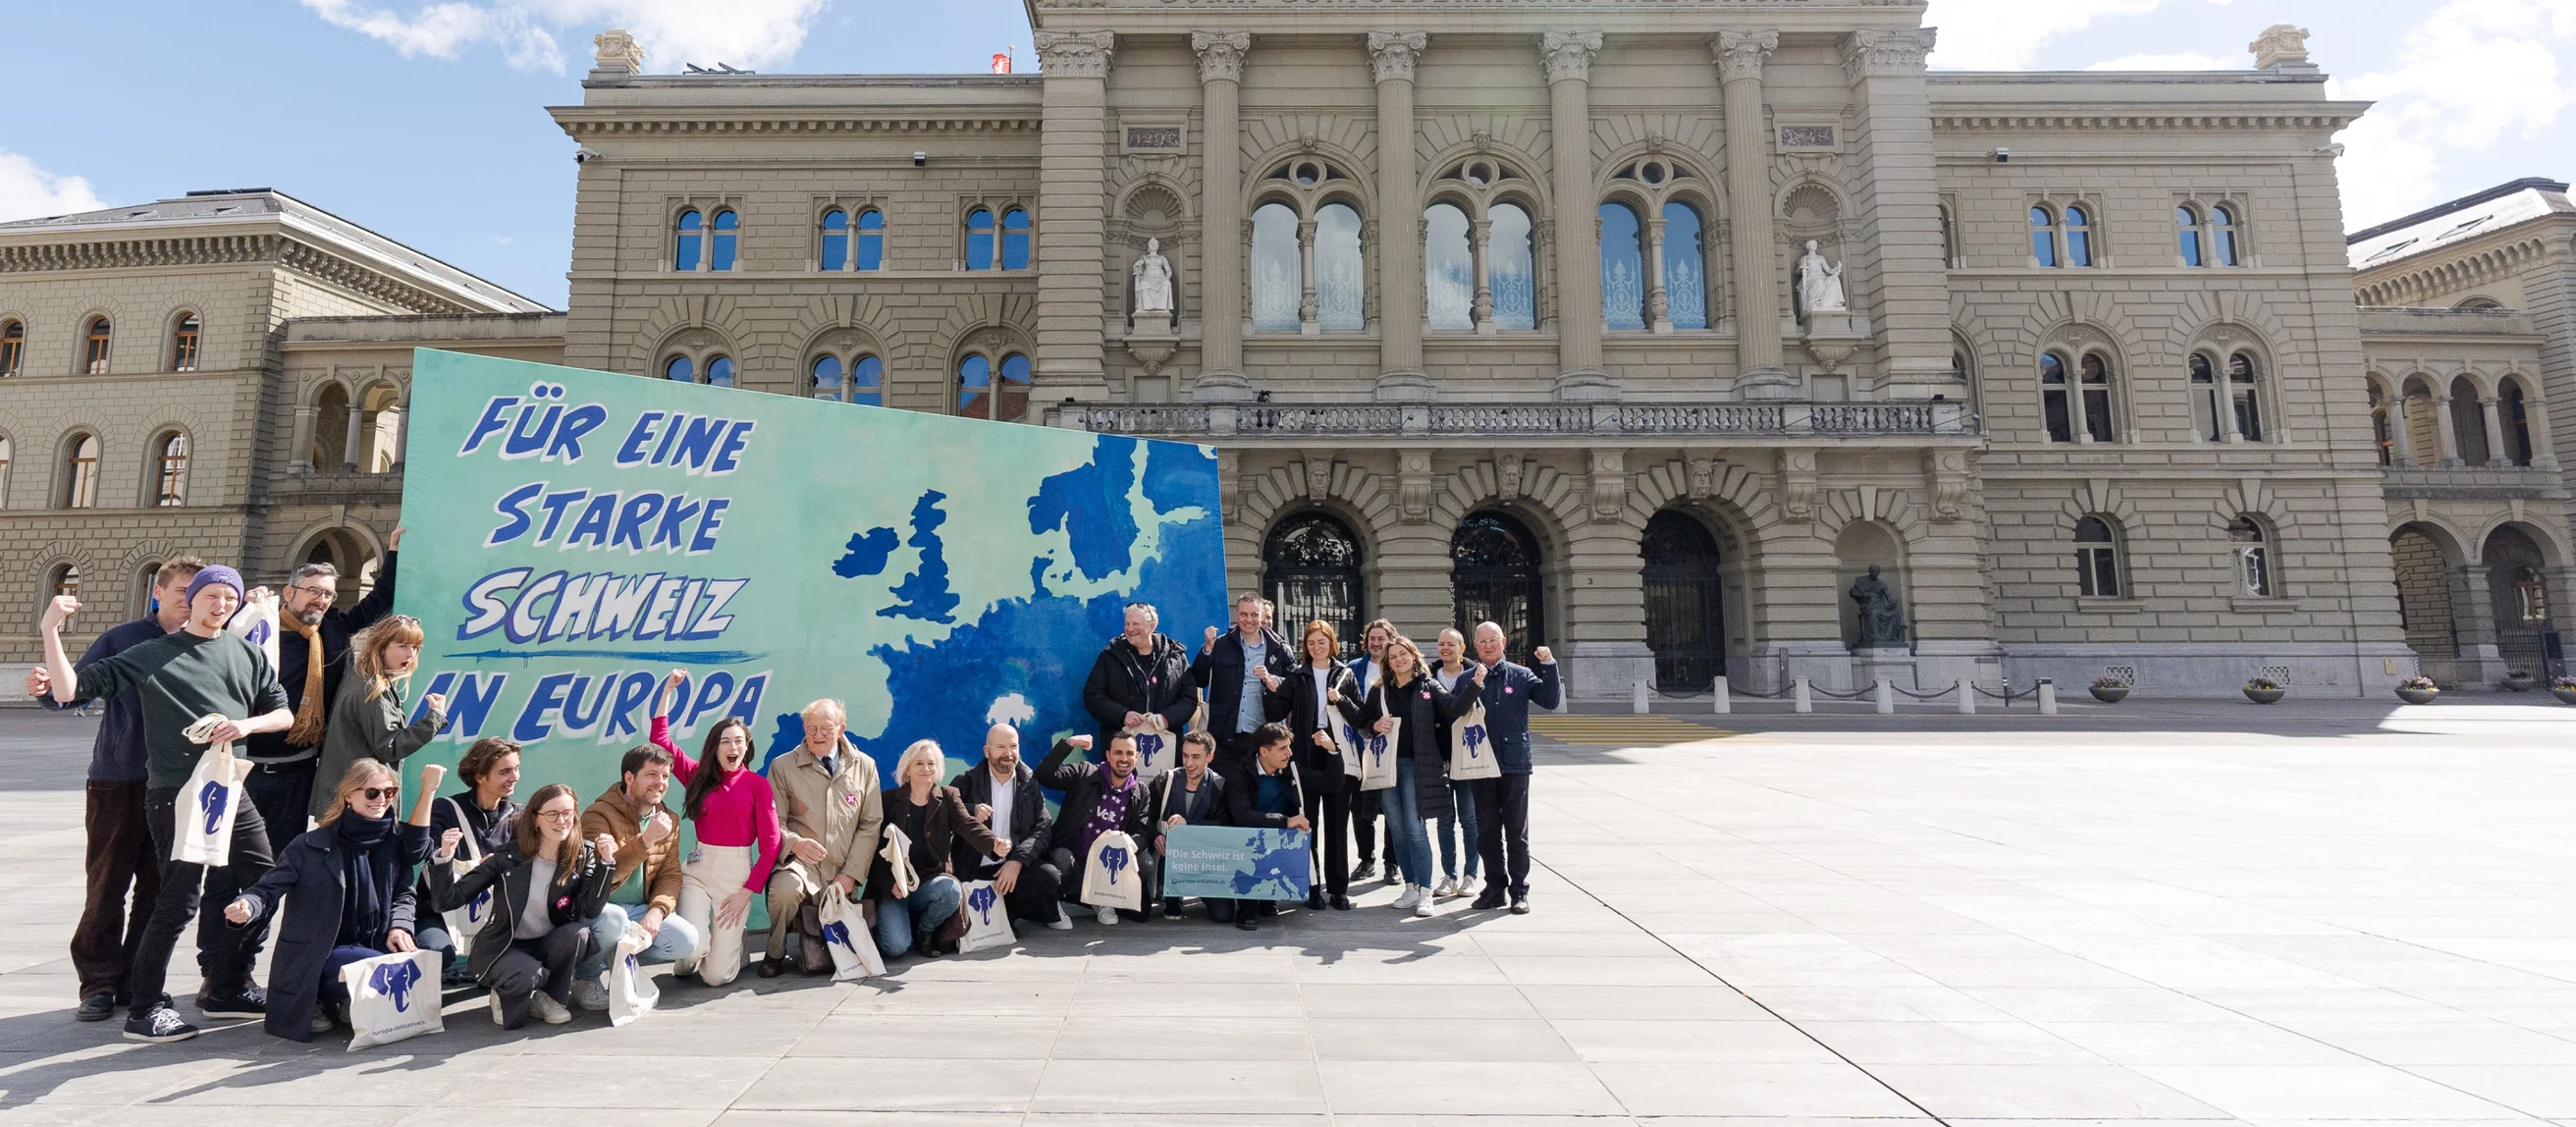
[{"x": 426, "y": 120}]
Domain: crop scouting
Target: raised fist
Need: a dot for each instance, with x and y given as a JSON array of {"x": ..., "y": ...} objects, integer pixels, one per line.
[
  {"x": 63, "y": 606},
  {"x": 431, "y": 774},
  {"x": 1080, "y": 742},
  {"x": 1543, "y": 656}
]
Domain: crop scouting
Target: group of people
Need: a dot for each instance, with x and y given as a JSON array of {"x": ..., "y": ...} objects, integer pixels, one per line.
[{"x": 531, "y": 902}]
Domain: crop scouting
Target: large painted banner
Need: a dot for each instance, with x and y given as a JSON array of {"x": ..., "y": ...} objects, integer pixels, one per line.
[{"x": 576, "y": 535}]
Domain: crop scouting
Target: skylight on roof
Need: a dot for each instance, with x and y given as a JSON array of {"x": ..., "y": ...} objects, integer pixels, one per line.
[
  {"x": 2390, "y": 250},
  {"x": 2468, "y": 226}
]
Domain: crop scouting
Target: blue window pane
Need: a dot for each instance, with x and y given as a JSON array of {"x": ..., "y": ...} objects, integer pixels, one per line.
[
  {"x": 1015, "y": 240},
  {"x": 827, "y": 378},
  {"x": 685, "y": 256},
  {"x": 1685, "y": 284},
  {"x": 2222, "y": 232},
  {"x": 871, "y": 240},
  {"x": 1448, "y": 270},
  {"x": 1623, "y": 269},
  {"x": 720, "y": 371},
  {"x": 975, "y": 388},
  {"x": 1011, "y": 396},
  {"x": 1508, "y": 269},
  {"x": 836, "y": 240},
  {"x": 680, "y": 369},
  {"x": 2079, "y": 241},
  {"x": 1278, "y": 274},
  {"x": 2187, "y": 235},
  {"x": 1341, "y": 282},
  {"x": 867, "y": 382},
  {"x": 2043, "y": 238},
  {"x": 979, "y": 240},
  {"x": 720, "y": 248}
]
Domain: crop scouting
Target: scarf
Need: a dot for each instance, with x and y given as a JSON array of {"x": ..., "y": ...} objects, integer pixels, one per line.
[
  {"x": 307, "y": 731},
  {"x": 366, "y": 876}
]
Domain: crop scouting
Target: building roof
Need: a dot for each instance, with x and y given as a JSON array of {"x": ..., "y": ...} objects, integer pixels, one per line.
[
  {"x": 208, "y": 212},
  {"x": 2465, "y": 218}
]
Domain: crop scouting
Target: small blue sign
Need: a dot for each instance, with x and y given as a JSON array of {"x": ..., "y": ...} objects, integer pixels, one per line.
[{"x": 1226, "y": 862}]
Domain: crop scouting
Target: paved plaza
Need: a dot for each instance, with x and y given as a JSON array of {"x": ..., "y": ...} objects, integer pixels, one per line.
[{"x": 2191, "y": 910}]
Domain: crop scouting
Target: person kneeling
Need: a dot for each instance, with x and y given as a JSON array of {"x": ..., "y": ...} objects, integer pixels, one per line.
[
  {"x": 351, "y": 881},
  {"x": 1267, "y": 797},
  {"x": 933, "y": 816},
  {"x": 551, "y": 884},
  {"x": 644, "y": 888},
  {"x": 1190, "y": 795},
  {"x": 1098, "y": 797}
]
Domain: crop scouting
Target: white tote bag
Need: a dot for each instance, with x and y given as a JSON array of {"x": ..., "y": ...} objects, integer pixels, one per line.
[
  {"x": 846, "y": 935},
  {"x": 1471, "y": 750},
  {"x": 1109, "y": 877},
  {"x": 631, "y": 993},
  {"x": 207, "y": 806},
  {"x": 463, "y": 924},
  {"x": 897, "y": 852},
  {"x": 393, "y": 998},
  {"x": 256, "y": 623},
  {"x": 988, "y": 920},
  {"x": 1156, "y": 748},
  {"x": 1378, "y": 751}
]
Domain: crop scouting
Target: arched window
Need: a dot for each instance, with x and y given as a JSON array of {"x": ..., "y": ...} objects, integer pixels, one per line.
[
  {"x": 1685, "y": 279},
  {"x": 2207, "y": 419},
  {"x": 2187, "y": 233},
  {"x": 991, "y": 389},
  {"x": 720, "y": 245},
  {"x": 827, "y": 378},
  {"x": 2244, "y": 391},
  {"x": 680, "y": 368},
  {"x": 720, "y": 371},
  {"x": 979, "y": 239},
  {"x": 2468, "y": 423},
  {"x": 2516, "y": 416},
  {"x": 1310, "y": 566},
  {"x": 1015, "y": 239},
  {"x": 1623, "y": 268},
  {"x": 170, "y": 469},
  {"x": 2254, "y": 563},
  {"x": 13, "y": 347},
  {"x": 2530, "y": 595},
  {"x": 1494, "y": 577},
  {"x": 2079, "y": 237},
  {"x": 864, "y": 383},
  {"x": 2043, "y": 236},
  {"x": 80, "y": 472},
  {"x": 2380, "y": 432},
  {"x": 1278, "y": 274},
  {"x": 94, "y": 346},
  {"x": 2055, "y": 398},
  {"x": 836, "y": 241},
  {"x": 1949, "y": 239},
  {"x": 183, "y": 344},
  {"x": 1448, "y": 269},
  {"x": 65, "y": 580},
  {"x": 2222, "y": 235},
  {"x": 1340, "y": 280},
  {"x": 1306, "y": 268},
  {"x": 687, "y": 237},
  {"x": 2097, "y": 559},
  {"x": 1685, "y": 604},
  {"x": 4, "y": 471},
  {"x": 2096, "y": 382},
  {"x": 869, "y": 252}
]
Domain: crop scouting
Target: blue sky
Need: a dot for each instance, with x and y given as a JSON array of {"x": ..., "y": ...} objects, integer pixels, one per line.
[{"x": 426, "y": 121}]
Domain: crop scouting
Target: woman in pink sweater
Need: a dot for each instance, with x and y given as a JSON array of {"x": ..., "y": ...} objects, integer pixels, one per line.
[{"x": 736, "y": 816}]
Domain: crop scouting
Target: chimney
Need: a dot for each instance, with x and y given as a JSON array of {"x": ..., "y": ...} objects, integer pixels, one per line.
[
  {"x": 2283, "y": 48},
  {"x": 619, "y": 55}
]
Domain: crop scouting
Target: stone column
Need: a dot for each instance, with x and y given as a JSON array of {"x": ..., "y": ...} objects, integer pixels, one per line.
[
  {"x": 2473, "y": 626},
  {"x": 1900, "y": 283},
  {"x": 1075, "y": 65},
  {"x": 1399, "y": 221},
  {"x": 2497, "y": 455},
  {"x": 2400, "y": 441},
  {"x": 2544, "y": 454},
  {"x": 1566, "y": 56},
  {"x": 1221, "y": 270},
  {"x": 1759, "y": 374},
  {"x": 300, "y": 456},
  {"x": 402, "y": 434},
  {"x": 349, "y": 449},
  {"x": 2445, "y": 434},
  {"x": 1659, "y": 301}
]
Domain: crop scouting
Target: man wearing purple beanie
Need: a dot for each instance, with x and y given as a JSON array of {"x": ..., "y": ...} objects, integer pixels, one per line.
[{"x": 196, "y": 670}]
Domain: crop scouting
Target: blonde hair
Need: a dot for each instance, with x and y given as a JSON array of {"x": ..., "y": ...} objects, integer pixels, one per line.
[
  {"x": 921, "y": 749},
  {"x": 360, "y": 775},
  {"x": 367, "y": 652}
]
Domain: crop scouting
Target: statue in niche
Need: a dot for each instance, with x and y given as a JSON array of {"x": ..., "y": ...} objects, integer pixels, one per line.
[
  {"x": 1882, "y": 623},
  {"x": 1152, "y": 277},
  {"x": 1820, "y": 284}
]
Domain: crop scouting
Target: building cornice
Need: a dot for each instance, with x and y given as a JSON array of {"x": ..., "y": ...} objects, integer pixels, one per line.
[
  {"x": 2324, "y": 119},
  {"x": 225, "y": 250},
  {"x": 634, "y": 122},
  {"x": 2506, "y": 254}
]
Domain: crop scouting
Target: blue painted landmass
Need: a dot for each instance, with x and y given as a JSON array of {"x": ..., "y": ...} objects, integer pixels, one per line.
[
  {"x": 1090, "y": 505},
  {"x": 924, "y": 593},
  {"x": 866, "y": 553}
]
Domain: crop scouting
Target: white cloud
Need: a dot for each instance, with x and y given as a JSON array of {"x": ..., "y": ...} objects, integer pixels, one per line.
[
  {"x": 2178, "y": 60},
  {"x": 2472, "y": 74},
  {"x": 29, "y": 192},
  {"x": 2008, "y": 34},
  {"x": 529, "y": 33}
]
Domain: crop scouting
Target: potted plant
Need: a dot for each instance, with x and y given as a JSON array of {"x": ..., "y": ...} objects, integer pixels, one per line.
[
  {"x": 2564, "y": 688},
  {"x": 2520, "y": 681},
  {"x": 2264, "y": 690},
  {"x": 2418, "y": 690},
  {"x": 2110, "y": 689}
]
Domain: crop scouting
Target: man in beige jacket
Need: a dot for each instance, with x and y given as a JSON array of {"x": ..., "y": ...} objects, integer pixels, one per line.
[{"x": 829, "y": 806}]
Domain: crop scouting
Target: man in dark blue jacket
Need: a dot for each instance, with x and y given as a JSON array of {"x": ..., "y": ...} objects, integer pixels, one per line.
[
  {"x": 1502, "y": 804},
  {"x": 1245, "y": 673}
]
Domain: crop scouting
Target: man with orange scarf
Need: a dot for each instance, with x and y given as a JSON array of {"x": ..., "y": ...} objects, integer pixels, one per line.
[{"x": 312, "y": 647}]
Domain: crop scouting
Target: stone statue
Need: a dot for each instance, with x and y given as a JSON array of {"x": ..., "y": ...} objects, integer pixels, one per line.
[
  {"x": 1882, "y": 624},
  {"x": 1820, "y": 284},
  {"x": 1152, "y": 275}
]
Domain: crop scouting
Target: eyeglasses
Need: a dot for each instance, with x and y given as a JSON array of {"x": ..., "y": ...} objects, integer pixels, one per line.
[
  {"x": 556, "y": 815},
  {"x": 404, "y": 619},
  {"x": 371, "y": 794}
]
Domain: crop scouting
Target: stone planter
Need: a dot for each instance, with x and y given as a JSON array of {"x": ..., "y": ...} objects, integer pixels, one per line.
[
  {"x": 2110, "y": 694},
  {"x": 2266, "y": 696},
  {"x": 2418, "y": 696},
  {"x": 2520, "y": 684},
  {"x": 2565, "y": 696}
]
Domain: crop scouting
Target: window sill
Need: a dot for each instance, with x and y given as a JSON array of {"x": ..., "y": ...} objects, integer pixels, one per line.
[
  {"x": 2262, "y": 604},
  {"x": 2088, "y": 604}
]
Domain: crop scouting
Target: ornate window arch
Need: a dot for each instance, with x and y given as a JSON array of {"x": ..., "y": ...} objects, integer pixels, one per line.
[
  {"x": 1308, "y": 261},
  {"x": 2514, "y": 411},
  {"x": 993, "y": 376},
  {"x": 168, "y": 469},
  {"x": 2210, "y": 232},
  {"x": 997, "y": 235},
  {"x": 2078, "y": 391},
  {"x": 79, "y": 489},
  {"x": 1655, "y": 247},
  {"x": 850, "y": 236},
  {"x": 844, "y": 366},
  {"x": 186, "y": 333},
  {"x": 2099, "y": 558},
  {"x": 2065, "y": 233},
  {"x": 98, "y": 339},
  {"x": 698, "y": 355},
  {"x": 1480, "y": 249}
]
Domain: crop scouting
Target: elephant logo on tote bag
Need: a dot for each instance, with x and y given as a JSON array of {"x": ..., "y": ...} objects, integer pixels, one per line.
[
  {"x": 1473, "y": 738},
  {"x": 1112, "y": 860},
  {"x": 837, "y": 934},
  {"x": 395, "y": 981},
  {"x": 982, "y": 900},
  {"x": 212, "y": 801}
]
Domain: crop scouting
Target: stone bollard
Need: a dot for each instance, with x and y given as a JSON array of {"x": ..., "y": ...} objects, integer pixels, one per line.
[
  {"x": 1805, "y": 703},
  {"x": 2047, "y": 697},
  {"x": 1725, "y": 704},
  {"x": 1886, "y": 698},
  {"x": 1638, "y": 703},
  {"x": 1967, "y": 698}
]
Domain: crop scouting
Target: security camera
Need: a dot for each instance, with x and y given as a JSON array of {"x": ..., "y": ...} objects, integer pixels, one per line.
[
  {"x": 584, "y": 154},
  {"x": 2003, "y": 155},
  {"x": 2332, "y": 150},
  {"x": 920, "y": 160}
]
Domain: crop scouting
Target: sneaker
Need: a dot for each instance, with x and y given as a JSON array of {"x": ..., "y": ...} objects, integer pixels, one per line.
[
  {"x": 1394, "y": 875},
  {"x": 1492, "y": 899},
  {"x": 590, "y": 995},
  {"x": 457, "y": 977},
  {"x": 498, "y": 1017},
  {"x": 1407, "y": 898},
  {"x": 1520, "y": 904},
  {"x": 1364, "y": 870},
  {"x": 1106, "y": 916},
  {"x": 321, "y": 1020},
  {"x": 547, "y": 1009},
  {"x": 96, "y": 1007},
  {"x": 1341, "y": 903},
  {"x": 1059, "y": 923},
  {"x": 159, "y": 1025},
  {"x": 1247, "y": 921},
  {"x": 249, "y": 1001},
  {"x": 1426, "y": 906},
  {"x": 1448, "y": 888},
  {"x": 1171, "y": 909},
  {"x": 1467, "y": 885}
]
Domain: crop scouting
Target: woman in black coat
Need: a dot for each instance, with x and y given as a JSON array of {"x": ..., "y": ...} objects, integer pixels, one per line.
[
  {"x": 1323, "y": 698},
  {"x": 348, "y": 894},
  {"x": 1413, "y": 698},
  {"x": 527, "y": 958}
]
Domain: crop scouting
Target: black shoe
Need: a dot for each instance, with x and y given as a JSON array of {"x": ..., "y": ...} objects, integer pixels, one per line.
[
  {"x": 1520, "y": 905},
  {"x": 1341, "y": 903},
  {"x": 1315, "y": 900},
  {"x": 159, "y": 1025},
  {"x": 1487, "y": 902},
  {"x": 1364, "y": 870},
  {"x": 1171, "y": 909},
  {"x": 96, "y": 1007},
  {"x": 247, "y": 1002},
  {"x": 772, "y": 968},
  {"x": 1246, "y": 920}
]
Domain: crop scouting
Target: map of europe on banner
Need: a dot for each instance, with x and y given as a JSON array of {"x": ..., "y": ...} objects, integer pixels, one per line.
[
  {"x": 575, "y": 535},
  {"x": 1228, "y": 861}
]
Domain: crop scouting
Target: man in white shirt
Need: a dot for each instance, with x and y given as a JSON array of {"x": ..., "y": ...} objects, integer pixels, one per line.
[{"x": 1004, "y": 795}]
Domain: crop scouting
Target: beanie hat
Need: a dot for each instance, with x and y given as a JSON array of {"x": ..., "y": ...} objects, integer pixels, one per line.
[{"x": 213, "y": 574}]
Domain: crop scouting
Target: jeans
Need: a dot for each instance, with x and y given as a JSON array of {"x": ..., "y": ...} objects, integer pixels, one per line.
[
  {"x": 1408, "y": 843},
  {"x": 674, "y": 942},
  {"x": 119, "y": 855},
  {"x": 225, "y": 955},
  {"x": 1462, "y": 801},
  {"x": 903, "y": 921},
  {"x": 334, "y": 991}
]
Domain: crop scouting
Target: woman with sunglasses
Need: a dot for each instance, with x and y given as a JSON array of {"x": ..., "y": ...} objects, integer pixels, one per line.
[
  {"x": 347, "y": 889},
  {"x": 366, "y": 722},
  {"x": 549, "y": 884}
]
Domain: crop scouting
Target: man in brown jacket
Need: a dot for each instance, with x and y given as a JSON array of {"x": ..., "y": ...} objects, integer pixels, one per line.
[
  {"x": 830, "y": 809},
  {"x": 644, "y": 891}
]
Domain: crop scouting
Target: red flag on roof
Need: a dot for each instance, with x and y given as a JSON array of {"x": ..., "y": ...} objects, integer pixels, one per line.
[{"x": 1001, "y": 62}]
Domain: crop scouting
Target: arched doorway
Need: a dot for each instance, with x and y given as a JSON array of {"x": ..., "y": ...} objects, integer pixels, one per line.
[
  {"x": 2424, "y": 602},
  {"x": 1310, "y": 566},
  {"x": 346, "y": 552},
  {"x": 1685, "y": 603},
  {"x": 1494, "y": 577},
  {"x": 2518, "y": 590}
]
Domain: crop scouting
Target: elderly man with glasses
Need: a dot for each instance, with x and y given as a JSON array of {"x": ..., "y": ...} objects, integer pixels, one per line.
[{"x": 312, "y": 650}]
